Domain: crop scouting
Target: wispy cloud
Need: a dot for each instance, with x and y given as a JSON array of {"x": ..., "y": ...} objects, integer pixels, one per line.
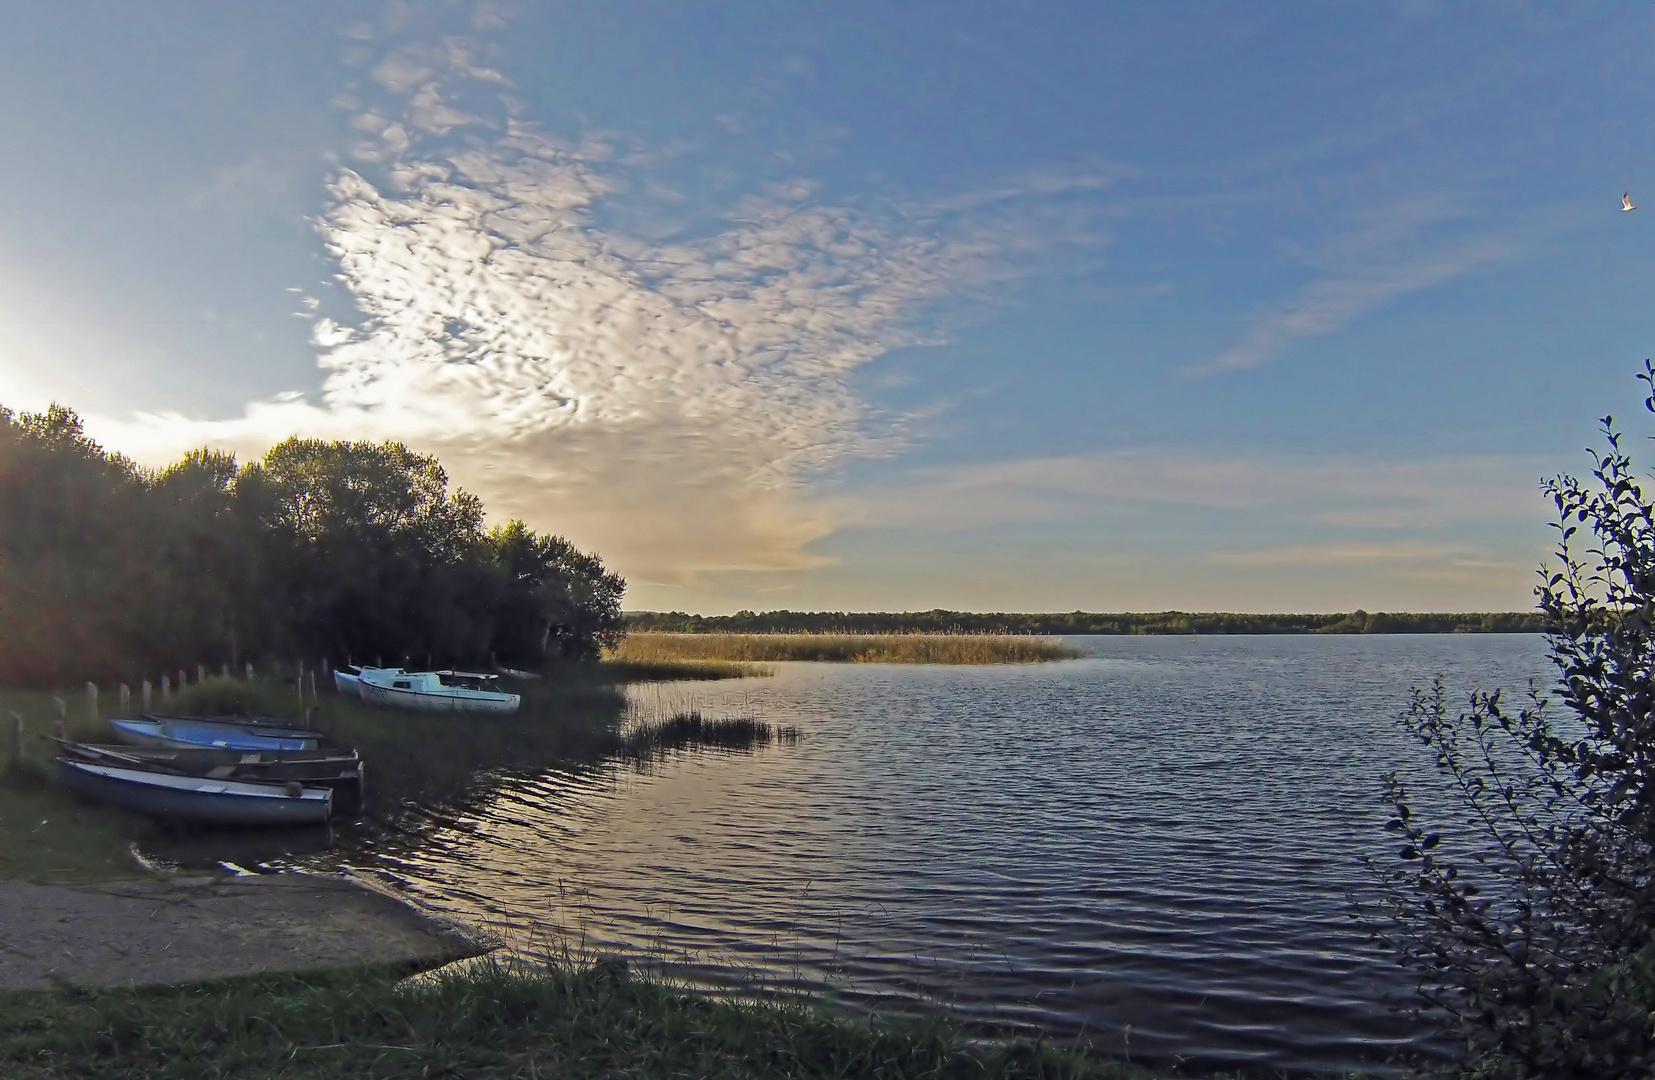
[
  {"x": 1397, "y": 250},
  {"x": 663, "y": 399},
  {"x": 1382, "y": 497}
]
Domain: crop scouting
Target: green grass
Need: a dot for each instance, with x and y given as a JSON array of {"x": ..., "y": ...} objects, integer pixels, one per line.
[
  {"x": 843, "y": 648},
  {"x": 46, "y": 835},
  {"x": 690, "y": 727},
  {"x": 485, "y": 1023}
]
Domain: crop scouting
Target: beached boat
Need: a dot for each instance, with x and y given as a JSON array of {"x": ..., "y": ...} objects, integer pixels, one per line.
[
  {"x": 347, "y": 683},
  {"x": 197, "y": 799},
  {"x": 338, "y": 770},
  {"x": 185, "y": 731},
  {"x": 435, "y": 691}
]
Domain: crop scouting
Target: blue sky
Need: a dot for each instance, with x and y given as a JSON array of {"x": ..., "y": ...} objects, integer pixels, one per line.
[{"x": 1000, "y": 306}]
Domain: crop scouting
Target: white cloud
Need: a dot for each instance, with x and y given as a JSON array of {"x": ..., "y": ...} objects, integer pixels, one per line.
[
  {"x": 1389, "y": 255},
  {"x": 663, "y": 400},
  {"x": 1385, "y": 497}
]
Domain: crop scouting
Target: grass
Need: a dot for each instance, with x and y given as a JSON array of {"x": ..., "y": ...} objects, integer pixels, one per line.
[
  {"x": 690, "y": 727},
  {"x": 843, "y": 648},
  {"x": 46, "y": 835},
  {"x": 484, "y": 1023}
]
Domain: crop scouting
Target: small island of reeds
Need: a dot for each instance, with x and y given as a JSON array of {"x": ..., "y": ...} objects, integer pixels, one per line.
[{"x": 843, "y": 648}]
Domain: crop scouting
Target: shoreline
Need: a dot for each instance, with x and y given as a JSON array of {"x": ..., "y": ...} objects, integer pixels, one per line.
[{"x": 164, "y": 930}]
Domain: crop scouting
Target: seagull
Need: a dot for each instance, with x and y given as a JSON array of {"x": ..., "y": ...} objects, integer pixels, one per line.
[{"x": 1626, "y": 202}]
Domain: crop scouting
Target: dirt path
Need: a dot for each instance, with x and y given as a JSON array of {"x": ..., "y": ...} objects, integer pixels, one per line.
[{"x": 185, "y": 929}]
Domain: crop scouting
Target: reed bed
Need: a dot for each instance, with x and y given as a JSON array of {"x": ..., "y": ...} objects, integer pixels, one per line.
[
  {"x": 844, "y": 648},
  {"x": 691, "y": 727}
]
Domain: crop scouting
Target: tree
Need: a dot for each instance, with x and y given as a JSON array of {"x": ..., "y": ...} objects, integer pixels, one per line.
[
  {"x": 1534, "y": 936},
  {"x": 332, "y": 548}
]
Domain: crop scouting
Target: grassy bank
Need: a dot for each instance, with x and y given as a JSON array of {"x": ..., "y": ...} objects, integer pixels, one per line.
[
  {"x": 486, "y": 1023},
  {"x": 429, "y": 759},
  {"x": 843, "y": 648}
]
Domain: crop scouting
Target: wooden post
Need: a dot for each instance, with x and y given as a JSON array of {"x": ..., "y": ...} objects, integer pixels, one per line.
[
  {"x": 60, "y": 722},
  {"x": 92, "y": 702},
  {"x": 314, "y": 700},
  {"x": 149, "y": 696},
  {"x": 326, "y": 671},
  {"x": 16, "y": 740},
  {"x": 225, "y": 671},
  {"x": 126, "y": 700},
  {"x": 183, "y": 680},
  {"x": 166, "y": 689},
  {"x": 300, "y": 682},
  {"x": 200, "y": 674},
  {"x": 249, "y": 671}
]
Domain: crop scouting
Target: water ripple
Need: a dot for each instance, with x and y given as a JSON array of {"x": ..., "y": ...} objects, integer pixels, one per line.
[{"x": 1151, "y": 849}]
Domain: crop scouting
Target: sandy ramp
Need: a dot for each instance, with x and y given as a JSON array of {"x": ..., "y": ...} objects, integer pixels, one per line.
[{"x": 186, "y": 929}]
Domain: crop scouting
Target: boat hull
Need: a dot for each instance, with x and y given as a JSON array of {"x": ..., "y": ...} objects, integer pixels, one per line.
[
  {"x": 424, "y": 701},
  {"x": 193, "y": 799},
  {"x": 183, "y": 734},
  {"x": 340, "y": 771},
  {"x": 347, "y": 684}
]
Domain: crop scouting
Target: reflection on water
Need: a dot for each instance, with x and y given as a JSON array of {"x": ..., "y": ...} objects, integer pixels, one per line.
[{"x": 1153, "y": 846}]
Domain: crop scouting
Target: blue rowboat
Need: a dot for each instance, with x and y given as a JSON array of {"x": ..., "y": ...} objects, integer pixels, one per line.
[
  {"x": 182, "y": 732},
  {"x": 197, "y": 799}
]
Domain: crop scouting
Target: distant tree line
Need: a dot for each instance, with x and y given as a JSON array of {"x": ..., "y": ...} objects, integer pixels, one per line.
[
  {"x": 338, "y": 549},
  {"x": 1086, "y": 622}
]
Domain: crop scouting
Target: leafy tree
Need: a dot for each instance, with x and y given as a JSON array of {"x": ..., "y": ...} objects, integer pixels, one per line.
[
  {"x": 335, "y": 548},
  {"x": 1534, "y": 932}
]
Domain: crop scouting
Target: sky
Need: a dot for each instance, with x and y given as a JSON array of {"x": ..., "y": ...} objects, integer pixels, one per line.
[{"x": 867, "y": 306}]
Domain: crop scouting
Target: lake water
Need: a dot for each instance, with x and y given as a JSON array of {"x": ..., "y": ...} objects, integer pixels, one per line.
[{"x": 1149, "y": 850}]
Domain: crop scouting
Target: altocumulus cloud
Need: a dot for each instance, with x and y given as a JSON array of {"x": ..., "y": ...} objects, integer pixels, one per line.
[{"x": 665, "y": 400}]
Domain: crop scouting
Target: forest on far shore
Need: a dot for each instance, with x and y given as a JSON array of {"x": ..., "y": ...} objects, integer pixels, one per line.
[
  {"x": 1085, "y": 622},
  {"x": 344, "y": 550}
]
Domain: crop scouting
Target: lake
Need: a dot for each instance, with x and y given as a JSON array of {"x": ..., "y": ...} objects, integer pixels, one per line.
[{"x": 1149, "y": 850}]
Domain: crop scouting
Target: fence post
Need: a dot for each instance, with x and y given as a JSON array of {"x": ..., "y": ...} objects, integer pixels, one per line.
[
  {"x": 60, "y": 721},
  {"x": 149, "y": 696},
  {"x": 92, "y": 702},
  {"x": 126, "y": 699},
  {"x": 16, "y": 740}
]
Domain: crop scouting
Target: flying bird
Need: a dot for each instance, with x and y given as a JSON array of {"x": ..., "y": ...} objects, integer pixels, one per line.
[{"x": 1626, "y": 202}]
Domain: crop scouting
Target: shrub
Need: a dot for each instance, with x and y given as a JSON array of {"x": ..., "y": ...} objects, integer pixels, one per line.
[{"x": 1535, "y": 939}]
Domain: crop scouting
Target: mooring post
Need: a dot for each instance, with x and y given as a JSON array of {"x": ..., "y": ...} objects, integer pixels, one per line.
[
  {"x": 249, "y": 671},
  {"x": 183, "y": 680},
  {"x": 60, "y": 721},
  {"x": 149, "y": 696},
  {"x": 326, "y": 671},
  {"x": 299, "y": 669},
  {"x": 224, "y": 672},
  {"x": 125, "y": 697},
  {"x": 92, "y": 702},
  {"x": 16, "y": 740},
  {"x": 314, "y": 700},
  {"x": 166, "y": 689},
  {"x": 200, "y": 674}
]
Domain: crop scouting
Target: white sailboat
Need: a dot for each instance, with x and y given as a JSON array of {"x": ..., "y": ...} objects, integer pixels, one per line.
[{"x": 434, "y": 691}]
